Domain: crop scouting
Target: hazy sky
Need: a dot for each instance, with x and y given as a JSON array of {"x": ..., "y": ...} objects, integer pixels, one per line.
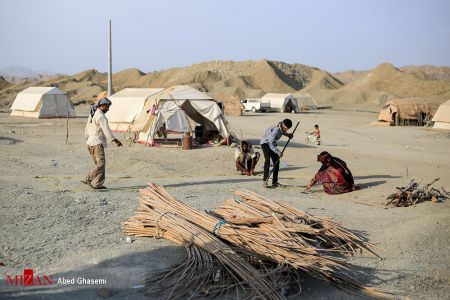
[{"x": 71, "y": 36}]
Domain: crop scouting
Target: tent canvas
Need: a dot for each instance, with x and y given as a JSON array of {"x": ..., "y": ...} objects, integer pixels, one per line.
[
  {"x": 441, "y": 118},
  {"x": 42, "y": 102},
  {"x": 281, "y": 102},
  {"x": 127, "y": 105},
  {"x": 176, "y": 106},
  {"x": 306, "y": 101},
  {"x": 406, "y": 111}
]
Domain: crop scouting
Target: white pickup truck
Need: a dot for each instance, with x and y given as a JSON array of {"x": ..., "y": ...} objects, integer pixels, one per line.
[{"x": 251, "y": 104}]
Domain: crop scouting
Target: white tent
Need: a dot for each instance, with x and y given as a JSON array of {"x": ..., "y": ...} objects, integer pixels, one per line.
[
  {"x": 281, "y": 102},
  {"x": 177, "y": 108},
  {"x": 441, "y": 118},
  {"x": 306, "y": 101},
  {"x": 42, "y": 102},
  {"x": 127, "y": 105}
]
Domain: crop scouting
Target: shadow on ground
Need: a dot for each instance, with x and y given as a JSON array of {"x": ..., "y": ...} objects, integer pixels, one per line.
[
  {"x": 242, "y": 179},
  {"x": 281, "y": 143},
  {"x": 375, "y": 176},
  {"x": 367, "y": 185},
  {"x": 9, "y": 140},
  {"x": 125, "y": 274}
]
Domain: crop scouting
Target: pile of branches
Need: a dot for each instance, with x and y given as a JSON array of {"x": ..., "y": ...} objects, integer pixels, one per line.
[
  {"x": 412, "y": 194},
  {"x": 252, "y": 243}
]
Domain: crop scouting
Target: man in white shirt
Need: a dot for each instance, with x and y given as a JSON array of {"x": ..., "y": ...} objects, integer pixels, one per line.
[
  {"x": 270, "y": 150},
  {"x": 97, "y": 133},
  {"x": 246, "y": 158}
]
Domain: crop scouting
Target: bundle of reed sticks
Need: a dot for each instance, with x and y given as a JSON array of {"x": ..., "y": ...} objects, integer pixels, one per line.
[{"x": 253, "y": 242}]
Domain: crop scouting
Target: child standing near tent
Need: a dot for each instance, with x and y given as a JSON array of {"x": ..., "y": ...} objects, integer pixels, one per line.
[{"x": 97, "y": 134}]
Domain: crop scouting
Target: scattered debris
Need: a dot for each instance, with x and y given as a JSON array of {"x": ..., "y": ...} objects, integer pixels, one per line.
[
  {"x": 412, "y": 194},
  {"x": 252, "y": 242}
]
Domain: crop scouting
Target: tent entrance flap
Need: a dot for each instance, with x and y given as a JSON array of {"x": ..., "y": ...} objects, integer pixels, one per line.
[
  {"x": 174, "y": 116},
  {"x": 178, "y": 122}
]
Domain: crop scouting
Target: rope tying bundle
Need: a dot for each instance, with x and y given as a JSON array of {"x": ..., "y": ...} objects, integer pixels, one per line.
[{"x": 216, "y": 230}]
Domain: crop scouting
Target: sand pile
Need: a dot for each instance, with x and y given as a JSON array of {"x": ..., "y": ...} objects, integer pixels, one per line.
[
  {"x": 255, "y": 78},
  {"x": 381, "y": 84},
  {"x": 4, "y": 84},
  {"x": 428, "y": 72},
  {"x": 80, "y": 87},
  {"x": 350, "y": 76},
  {"x": 247, "y": 78}
]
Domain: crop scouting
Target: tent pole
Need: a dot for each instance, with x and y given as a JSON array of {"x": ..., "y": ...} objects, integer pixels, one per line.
[
  {"x": 109, "y": 61},
  {"x": 67, "y": 120}
]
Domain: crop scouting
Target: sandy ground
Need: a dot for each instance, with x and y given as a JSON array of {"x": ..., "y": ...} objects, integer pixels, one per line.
[{"x": 52, "y": 223}]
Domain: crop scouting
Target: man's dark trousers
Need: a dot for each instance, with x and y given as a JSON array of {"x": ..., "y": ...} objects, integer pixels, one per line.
[{"x": 269, "y": 154}]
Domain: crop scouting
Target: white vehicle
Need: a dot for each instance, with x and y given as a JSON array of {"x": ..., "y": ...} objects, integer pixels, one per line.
[{"x": 251, "y": 104}]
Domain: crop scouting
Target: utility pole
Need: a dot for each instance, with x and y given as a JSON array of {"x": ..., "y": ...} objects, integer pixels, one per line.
[{"x": 109, "y": 62}]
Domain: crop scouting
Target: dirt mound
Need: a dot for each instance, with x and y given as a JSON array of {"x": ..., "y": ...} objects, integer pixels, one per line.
[
  {"x": 255, "y": 78},
  {"x": 243, "y": 79},
  {"x": 127, "y": 78},
  {"x": 381, "y": 84},
  {"x": 90, "y": 75},
  {"x": 128, "y": 75},
  {"x": 4, "y": 83},
  {"x": 80, "y": 87},
  {"x": 428, "y": 72},
  {"x": 350, "y": 75}
]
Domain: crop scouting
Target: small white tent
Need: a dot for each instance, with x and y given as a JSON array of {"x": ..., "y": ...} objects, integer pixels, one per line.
[
  {"x": 280, "y": 102},
  {"x": 127, "y": 105},
  {"x": 441, "y": 118},
  {"x": 176, "y": 106},
  {"x": 42, "y": 102},
  {"x": 306, "y": 101}
]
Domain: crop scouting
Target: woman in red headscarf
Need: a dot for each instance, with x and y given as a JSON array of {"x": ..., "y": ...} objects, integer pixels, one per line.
[{"x": 334, "y": 175}]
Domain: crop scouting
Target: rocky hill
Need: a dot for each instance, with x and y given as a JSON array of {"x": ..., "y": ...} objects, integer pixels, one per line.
[
  {"x": 255, "y": 78},
  {"x": 4, "y": 83},
  {"x": 428, "y": 72},
  {"x": 242, "y": 79},
  {"x": 373, "y": 88}
]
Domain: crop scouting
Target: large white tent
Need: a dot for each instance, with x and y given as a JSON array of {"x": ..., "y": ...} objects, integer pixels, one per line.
[
  {"x": 42, "y": 102},
  {"x": 306, "y": 101},
  {"x": 441, "y": 118},
  {"x": 127, "y": 105},
  {"x": 178, "y": 107},
  {"x": 281, "y": 102}
]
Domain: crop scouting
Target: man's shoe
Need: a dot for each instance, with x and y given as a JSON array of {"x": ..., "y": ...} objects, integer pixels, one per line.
[
  {"x": 277, "y": 184},
  {"x": 265, "y": 184},
  {"x": 100, "y": 188},
  {"x": 87, "y": 182}
]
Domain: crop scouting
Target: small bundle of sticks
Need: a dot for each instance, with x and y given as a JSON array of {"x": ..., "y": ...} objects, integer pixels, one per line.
[
  {"x": 412, "y": 194},
  {"x": 253, "y": 243}
]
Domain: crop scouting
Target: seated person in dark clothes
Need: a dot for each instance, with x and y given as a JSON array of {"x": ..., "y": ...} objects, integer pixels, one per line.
[
  {"x": 214, "y": 137},
  {"x": 246, "y": 158},
  {"x": 334, "y": 175}
]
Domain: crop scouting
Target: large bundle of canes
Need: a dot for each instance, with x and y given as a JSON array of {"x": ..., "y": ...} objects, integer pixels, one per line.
[{"x": 252, "y": 243}]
